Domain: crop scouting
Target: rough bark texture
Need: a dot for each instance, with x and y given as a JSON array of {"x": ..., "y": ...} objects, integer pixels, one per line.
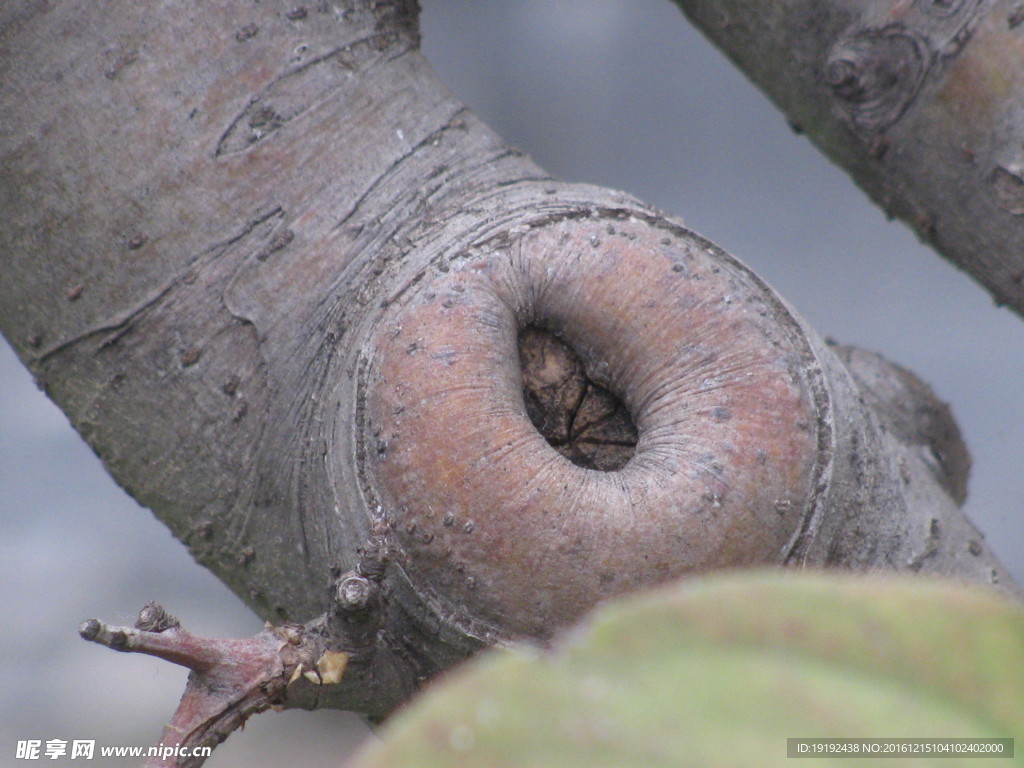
[
  {"x": 921, "y": 101},
  {"x": 282, "y": 281}
]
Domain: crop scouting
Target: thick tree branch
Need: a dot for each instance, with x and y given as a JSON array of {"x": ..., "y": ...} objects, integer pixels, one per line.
[{"x": 291, "y": 300}]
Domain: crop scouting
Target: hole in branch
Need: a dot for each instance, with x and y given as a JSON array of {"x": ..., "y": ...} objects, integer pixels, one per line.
[{"x": 581, "y": 420}]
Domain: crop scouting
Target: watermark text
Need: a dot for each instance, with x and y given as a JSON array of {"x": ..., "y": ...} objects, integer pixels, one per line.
[{"x": 86, "y": 749}]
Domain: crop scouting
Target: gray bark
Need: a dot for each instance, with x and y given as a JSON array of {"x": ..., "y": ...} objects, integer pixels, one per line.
[
  {"x": 276, "y": 275},
  {"x": 920, "y": 102}
]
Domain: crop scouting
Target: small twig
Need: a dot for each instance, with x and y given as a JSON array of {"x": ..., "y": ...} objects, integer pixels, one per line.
[{"x": 233, "y": 679}]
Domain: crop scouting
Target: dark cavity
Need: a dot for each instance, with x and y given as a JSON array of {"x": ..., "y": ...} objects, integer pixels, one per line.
[{"x": 580, "y": 419}]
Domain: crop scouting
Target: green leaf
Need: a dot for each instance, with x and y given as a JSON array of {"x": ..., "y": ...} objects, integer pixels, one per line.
[{"x": 720, "y": 671}]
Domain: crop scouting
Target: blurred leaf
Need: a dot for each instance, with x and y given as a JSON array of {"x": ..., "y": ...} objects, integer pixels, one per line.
[{"x": 721, "y": 671}]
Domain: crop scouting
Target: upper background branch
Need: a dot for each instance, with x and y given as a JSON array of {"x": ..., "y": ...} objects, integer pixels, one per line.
[{"x": 920, "y": 101}]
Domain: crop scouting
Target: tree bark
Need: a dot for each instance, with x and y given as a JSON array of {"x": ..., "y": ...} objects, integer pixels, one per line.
[
  {"x": 920, "y": 101},
  {"x": 291, "y": 292}
]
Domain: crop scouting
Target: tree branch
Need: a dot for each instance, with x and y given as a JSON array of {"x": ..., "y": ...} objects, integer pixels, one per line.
[
  {"x": 920, "y": 102},
  {"x": 309, "y": 280}
]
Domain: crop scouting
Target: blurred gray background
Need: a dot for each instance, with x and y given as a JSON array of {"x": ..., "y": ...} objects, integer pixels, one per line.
[{"x": 621, "y": 93}]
